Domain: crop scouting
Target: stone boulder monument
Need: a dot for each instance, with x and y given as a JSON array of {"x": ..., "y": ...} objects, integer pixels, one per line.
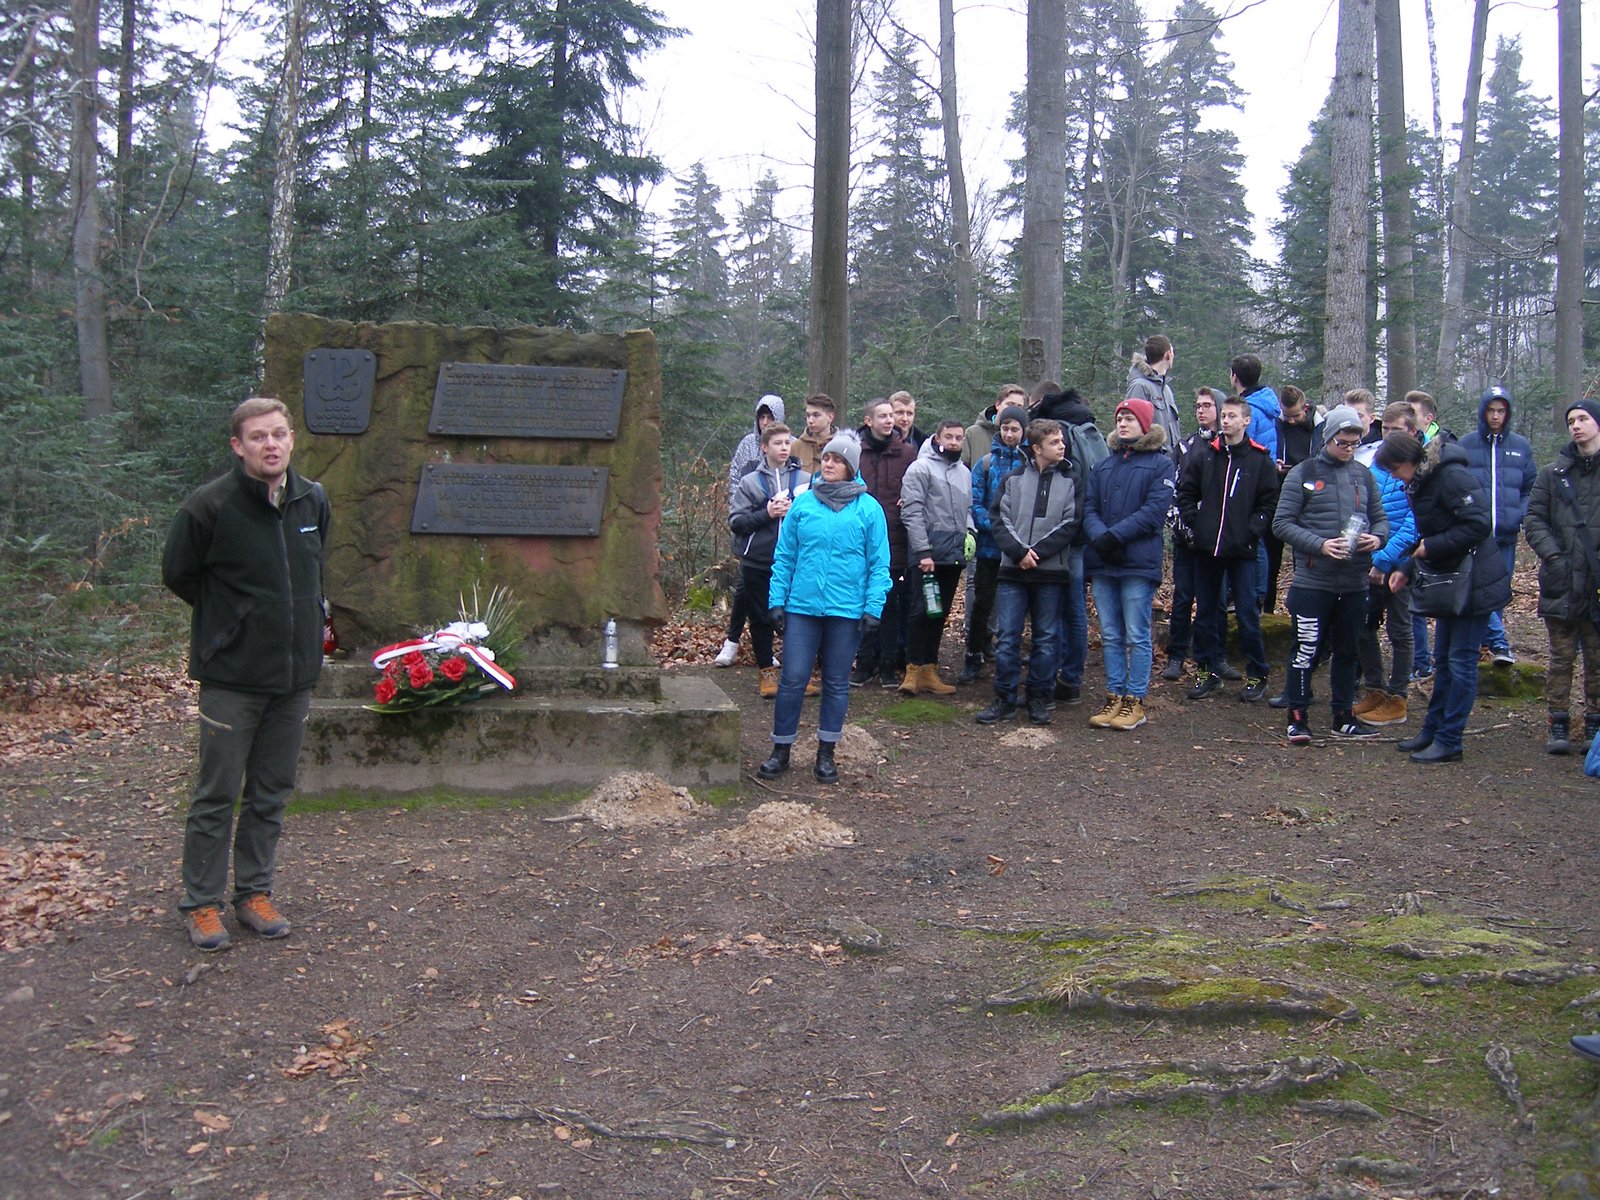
[{"x": 527, "y": 458}]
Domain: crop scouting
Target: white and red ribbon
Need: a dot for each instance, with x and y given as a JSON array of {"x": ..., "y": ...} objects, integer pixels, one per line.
[{"x": 459, "y": 637}]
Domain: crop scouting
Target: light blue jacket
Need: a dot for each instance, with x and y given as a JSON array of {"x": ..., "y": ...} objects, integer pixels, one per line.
[
  {"x": 1402, "y": 525},
  {"x": 832, "y": 564}
]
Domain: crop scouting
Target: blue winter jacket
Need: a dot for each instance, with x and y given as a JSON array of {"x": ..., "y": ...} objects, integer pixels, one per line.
[
  {"x": 1264, "y": 413},
  {"x": 1504, "y": 464},
  {"x": 988, "y": 476},
  {"x": 1128, "y": 495},
  {"x": 1402, "y": 524},
  {"x": 832, "y": 564}
]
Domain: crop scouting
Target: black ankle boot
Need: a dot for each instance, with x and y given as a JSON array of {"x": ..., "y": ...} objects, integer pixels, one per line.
[
  {"x": 1556, "y": 742},
  {"x": 1591, "y": 726},
  {"x": 777, "y": 763},
  {"x": 825, "y": 771},
  {"x": 971, "y": 667}
]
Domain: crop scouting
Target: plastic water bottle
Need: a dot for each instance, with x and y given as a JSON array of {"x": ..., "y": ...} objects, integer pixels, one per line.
[
  {"x": 1353, "y": 529},
  {"x": 930, "y": 596},
  {"x": 609, "y": 659}
]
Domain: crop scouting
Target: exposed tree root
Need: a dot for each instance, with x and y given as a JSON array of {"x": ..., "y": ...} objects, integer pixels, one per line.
[
  {"x": 646, "y": 1129},
  {"x": 1526, "y": 976},
  {"x": 1160, "y": 1081},
  {"x": 1163, "y": 997},
  {"x": 1504, "y": 1073}
]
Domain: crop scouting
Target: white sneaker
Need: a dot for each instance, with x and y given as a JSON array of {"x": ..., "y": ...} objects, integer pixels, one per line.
[{"x": 729, "y": 652}]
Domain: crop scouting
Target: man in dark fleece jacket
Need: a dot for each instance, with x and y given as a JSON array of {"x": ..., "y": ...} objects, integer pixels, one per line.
[{"x": 245, "y": 553}]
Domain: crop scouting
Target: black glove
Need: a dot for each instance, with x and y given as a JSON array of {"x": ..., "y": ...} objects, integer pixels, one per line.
[
  {"x": 1107, "y": 547},
  {"x": 775, "y": 617},
  {"x": 869, "y": 623}
]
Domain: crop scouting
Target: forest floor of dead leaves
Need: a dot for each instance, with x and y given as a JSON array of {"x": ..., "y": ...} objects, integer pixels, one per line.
[{"x": 811, "y": 992}]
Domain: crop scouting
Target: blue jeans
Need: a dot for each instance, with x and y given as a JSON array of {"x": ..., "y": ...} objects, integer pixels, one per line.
[
  {"x": 1495, "y": 638},
  {"x": 806, "y": 641},
  {"x": 1455, "y": 678},
  {"x": 1213, "y": 577},
  {"x": 1421, "y": 656},
  {"x": 1074, "y": 622},
  {"x": 1014, "y": 603},
  {"x": 1124, "y": 608}
]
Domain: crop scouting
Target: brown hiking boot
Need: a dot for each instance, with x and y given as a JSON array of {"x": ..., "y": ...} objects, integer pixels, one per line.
[
  {"x": 1392, "y": 711},
  {"x": 205, "y": 928},
  {"x": 1130, "y": 715},
  {"x": 256, "y": 914},
  {"x": 911, "y": 684},
  {"x": 1373, "y": 699},
  {"x": 1102, "y": 719},
  {"x": 814, "y": 687},
  {"x": 930, "y": 682},
  {"x": 768, "y": 685}
]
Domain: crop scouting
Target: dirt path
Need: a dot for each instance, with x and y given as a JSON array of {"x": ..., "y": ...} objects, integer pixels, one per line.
[{"x": 480, "y": 1002}]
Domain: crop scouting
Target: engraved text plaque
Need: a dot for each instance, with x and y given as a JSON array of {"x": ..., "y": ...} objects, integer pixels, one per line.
[
  {"x": 506, "y": 400},
  {"x": 510, "y": 501}
]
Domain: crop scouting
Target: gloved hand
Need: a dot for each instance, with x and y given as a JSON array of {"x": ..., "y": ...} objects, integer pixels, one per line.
[
  {"x": 869, "y": 623},
  {"x": 775, "y": 616},
  {"x": 1105, "y": 546},
  {"x": 969, "y": 548}
]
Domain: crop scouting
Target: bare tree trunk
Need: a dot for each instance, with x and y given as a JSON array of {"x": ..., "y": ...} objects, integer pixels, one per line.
[
  {"x": 1569, "y": 207},
  {"x": 1044, "y": 194},
  {"x": 1455, "y": 286},
  {"x": 1344, "y": 334},
  {"x": 1400, "y": 286},
  {"x": 830, "y": 220},
  {"x": 94, "y": 357},
  {"x": 280, "y": 246},
  {"x": 125, "y": 79},
  {"x": 1436, "y": 165},
  {"x": 960, "y": 210}
]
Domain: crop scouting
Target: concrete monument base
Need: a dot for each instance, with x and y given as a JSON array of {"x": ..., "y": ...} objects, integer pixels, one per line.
[{"x": 548, "y": 738}]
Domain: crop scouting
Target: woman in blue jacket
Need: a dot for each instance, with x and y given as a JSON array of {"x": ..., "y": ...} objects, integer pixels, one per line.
[
  {"x": 830, "y": 579},
  {"x": 1125, "y": 510}
]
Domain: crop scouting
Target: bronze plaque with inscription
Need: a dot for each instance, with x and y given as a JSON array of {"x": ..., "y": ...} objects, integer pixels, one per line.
[
  {"x": 337, "y": 390},
  {"x": 510, "y": 501},
  {"x": 506, "y": 400}
]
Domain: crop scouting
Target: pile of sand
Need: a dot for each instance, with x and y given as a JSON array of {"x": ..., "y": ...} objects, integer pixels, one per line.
[
  {"x": 640, "y": 800},
  {"x": 780, "y": 829}
]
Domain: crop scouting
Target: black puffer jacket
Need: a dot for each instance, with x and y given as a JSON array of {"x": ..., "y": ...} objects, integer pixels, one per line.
[
  {"x": 1227, "y": 495},
  {"x": 1452, "y": 511},
  {"x": 1566, "y": 584},
  {"x": 253, "y": 575}
]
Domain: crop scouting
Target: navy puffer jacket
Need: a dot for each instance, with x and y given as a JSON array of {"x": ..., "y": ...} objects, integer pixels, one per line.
[
  {"x": 1503, "y": 463},
  {"x": 1128, "y": 494}
]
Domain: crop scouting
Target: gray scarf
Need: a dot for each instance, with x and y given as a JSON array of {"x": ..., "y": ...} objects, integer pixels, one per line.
[{"x": 837, "y": 495}]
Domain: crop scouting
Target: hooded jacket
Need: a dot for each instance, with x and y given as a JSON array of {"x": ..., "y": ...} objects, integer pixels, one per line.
[
  {"x": 748, "y": 451},
  {"x": 1145, "y": 382},
  {"x": 1316, "y": 500},
  {"x": 883, "y": 467},
  {"x": 755, "y": 531},
  {"x": 1227, "y": 495},
  {"x": 1402, "y": 524},
  {"x": 1453, "y": 518},
  {"x": 1503, "y": 463},
  {"x": 936, "y": 504},
  {"x": 981, "y": 435},
  {"x": 1264, "y": 413},
  {"x": 252, "y": 575},
  {"x": 1566, "y": 582},
  {"x": 1127, "y": 496},
  {"x": 831, "y": 564},
  {"x": 988, "y": 476},
  {"x": 1038, "y": 511}
]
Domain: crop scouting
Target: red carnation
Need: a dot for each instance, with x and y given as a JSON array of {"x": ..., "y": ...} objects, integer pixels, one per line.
[
  {"x": 453, "y": 669},
  {"x": 384, "y": 691},
  {"x": 391, "y": 669},
  {"x": 414, "y": 660},
  {"x": 421, "y": 675}
]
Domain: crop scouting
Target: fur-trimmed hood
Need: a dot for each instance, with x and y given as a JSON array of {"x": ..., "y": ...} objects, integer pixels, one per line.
[
  {"x": 1142, "y": 365},
  {"x": 1434, "y": 455},
  {"x": 1155, "y": 439}
]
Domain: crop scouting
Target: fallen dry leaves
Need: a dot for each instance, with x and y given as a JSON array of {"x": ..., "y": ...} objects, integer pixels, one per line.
[
  {"x": 47, "y": 887},
  {"x": 341, "y": 1047},
  {"x": 688, "y": 947},
  {"x": 54, "y": 715}
]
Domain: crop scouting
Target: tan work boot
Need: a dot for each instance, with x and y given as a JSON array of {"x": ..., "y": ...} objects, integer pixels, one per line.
[
  {"x": 1102, "y": 719},
  {"x": 930, "y": 682},
  {"x": 1373, "y": 699},
  {"x": 767, "y": 685},
  {"x": 911, "y": 684},
  {"x": 814, "y": 687},
  {"x": 1391, "y": 712},
  {"x": 1130, "y": 715}
]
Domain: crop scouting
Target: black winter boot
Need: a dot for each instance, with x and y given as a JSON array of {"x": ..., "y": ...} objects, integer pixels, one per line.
[
  {"x": 777, "y": 763},
  {"x": 970, "y": 668},
  {"x": 1556, "y": 742},
  {"x": 825, "y": 771},
  {"x": 1591, "y": 726}
]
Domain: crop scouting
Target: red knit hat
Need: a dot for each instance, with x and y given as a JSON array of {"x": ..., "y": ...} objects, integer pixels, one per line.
[{"x": 1143, "y": 411}]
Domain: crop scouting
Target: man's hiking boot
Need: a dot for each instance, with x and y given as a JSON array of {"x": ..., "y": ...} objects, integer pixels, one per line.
[
  {"x": 1103, "y": 718},
  {"x": 205, "y": 928},
  {"x": 1130, "y": 714},
  {"x": 257, "y": 914}
]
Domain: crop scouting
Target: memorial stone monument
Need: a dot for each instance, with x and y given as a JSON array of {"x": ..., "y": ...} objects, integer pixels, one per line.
[{"x": 527, "y": 458}]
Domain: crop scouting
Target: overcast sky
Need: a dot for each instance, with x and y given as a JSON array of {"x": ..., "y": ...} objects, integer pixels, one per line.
[{"x": 736, "y": 91}]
